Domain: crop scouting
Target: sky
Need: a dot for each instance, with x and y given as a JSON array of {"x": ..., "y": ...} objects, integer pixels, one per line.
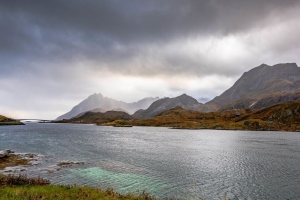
[{"x": 54, "y": 54}]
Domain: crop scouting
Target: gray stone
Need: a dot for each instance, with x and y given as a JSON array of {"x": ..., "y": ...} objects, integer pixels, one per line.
[{"x": 5, "y": 153}]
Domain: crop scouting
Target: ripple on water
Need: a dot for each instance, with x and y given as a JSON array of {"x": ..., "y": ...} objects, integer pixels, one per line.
[{"x": 121, "y": 182}]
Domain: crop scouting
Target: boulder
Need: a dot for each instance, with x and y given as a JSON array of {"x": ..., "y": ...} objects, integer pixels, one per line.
[{"x": 5, "y": 153}]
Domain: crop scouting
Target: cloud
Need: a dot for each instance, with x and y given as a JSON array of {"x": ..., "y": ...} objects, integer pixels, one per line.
[{"x": 63, "y": 51}]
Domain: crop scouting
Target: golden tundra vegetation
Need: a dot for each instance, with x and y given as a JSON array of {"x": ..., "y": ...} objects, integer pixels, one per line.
[
  {"x": 8, "y": 121},
  {"x": 281, "y": 117}
]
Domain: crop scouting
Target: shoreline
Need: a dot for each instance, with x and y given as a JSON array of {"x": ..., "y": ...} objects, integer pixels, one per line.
[
  {"x": 10, "y": 159},
  {"x": 184, "y": 128},
  {"x": 11, "y": 123}
]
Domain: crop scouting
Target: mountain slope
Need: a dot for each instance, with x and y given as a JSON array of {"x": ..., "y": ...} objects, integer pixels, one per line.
[
  {"x": 8, "y": 121},
  {"x": 101, "y": 110},
  {"x": 265, "y": 101},
  {"x": 160, "y": 105},
  {"x": 99, "y": 118},
  {"x": 99, "y": 101},
  {"x": 258, "y": 83},
  {"x": 284, "y": 116}
]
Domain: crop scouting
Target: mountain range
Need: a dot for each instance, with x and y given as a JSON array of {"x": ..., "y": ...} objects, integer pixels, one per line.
[
  {"x": 98, "y": 101},
  {"x": 160, "y": 105},
  {"x": 260, "y": 87}
]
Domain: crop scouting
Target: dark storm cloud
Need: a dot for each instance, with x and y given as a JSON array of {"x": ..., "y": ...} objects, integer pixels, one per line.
[
  {"x": 92, "y": 29},
  {"x": 63, "y": 50}
]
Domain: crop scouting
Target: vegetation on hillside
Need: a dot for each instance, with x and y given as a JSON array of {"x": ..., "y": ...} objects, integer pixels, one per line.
[
  {"x": 98, "y": 117},
  {"x": 284, "y": 116},
  {"x": 8, "y": 121}
]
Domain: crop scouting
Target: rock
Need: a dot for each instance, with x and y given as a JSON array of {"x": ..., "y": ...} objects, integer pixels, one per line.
[{"x": 5, "y": 153}]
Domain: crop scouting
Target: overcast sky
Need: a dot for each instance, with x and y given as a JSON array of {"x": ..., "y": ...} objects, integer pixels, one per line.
[{"x": 56, "y": 53}]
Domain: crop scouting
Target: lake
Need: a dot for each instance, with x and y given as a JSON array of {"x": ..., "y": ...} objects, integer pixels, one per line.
[{"x": 186, "y": 164}]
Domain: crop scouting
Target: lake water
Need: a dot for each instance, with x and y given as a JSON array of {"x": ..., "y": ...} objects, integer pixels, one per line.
[{"x": 186, "y": 164}]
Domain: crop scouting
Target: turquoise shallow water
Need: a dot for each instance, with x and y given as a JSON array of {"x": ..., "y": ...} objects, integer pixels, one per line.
[
  {"x": 122, "y": 182},
  {"x": 187, "y": 164}
]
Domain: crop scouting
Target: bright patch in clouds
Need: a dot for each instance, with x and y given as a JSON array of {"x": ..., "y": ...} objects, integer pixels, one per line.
[{"x": 57, "y": 53}]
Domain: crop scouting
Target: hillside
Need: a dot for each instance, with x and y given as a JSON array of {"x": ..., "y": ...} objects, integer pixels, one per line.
[
  {"x": 284, "y": 116},
  {"x": 101, "y": 110},
  {"x": 259, "y": 83},
  {"x": 8, "y": 121},
  {"x": 99, "y": 118},
  {"x": 94, "y": 110},
  {"x": 99, "y": 101},
  {"x": 264, "y": 101},
  {"x": 160, "y": 105}
]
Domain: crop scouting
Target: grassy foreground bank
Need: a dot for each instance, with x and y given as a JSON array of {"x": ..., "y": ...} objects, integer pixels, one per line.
[{"x": 23, "y": 188}]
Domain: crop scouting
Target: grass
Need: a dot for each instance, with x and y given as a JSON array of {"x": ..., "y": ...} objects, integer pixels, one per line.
[
  {"x": 21, "y": 180},
  {"x": 64, "y": 192},
  {"x": 23, "y": 188}
]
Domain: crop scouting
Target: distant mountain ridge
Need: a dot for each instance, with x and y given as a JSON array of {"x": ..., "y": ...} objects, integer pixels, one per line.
[
  {"x": 99, "y": 110},
  {"x": 98, "y": 117},
  {"x": 160, "y": 105},
  {"x": 260, "y": 83},
  {"x": 99, "y": 101}
]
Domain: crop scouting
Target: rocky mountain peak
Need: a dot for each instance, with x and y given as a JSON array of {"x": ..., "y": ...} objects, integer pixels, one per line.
[{"x": 260, "y": 81}]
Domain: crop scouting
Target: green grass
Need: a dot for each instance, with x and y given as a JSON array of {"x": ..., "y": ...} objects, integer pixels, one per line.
[
  {"x": 21, "y": 187},
  {"x": 64, "y": 192}
]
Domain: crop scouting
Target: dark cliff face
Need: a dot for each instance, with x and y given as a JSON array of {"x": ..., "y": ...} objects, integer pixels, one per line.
[
  {"x": 99, "y": 101},
  {"x": 158, "y": 106},
  {"x": 258, "y": 83}
]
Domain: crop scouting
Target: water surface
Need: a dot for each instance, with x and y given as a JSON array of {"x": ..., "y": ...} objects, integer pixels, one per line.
[{"x": 188, "y": 164}]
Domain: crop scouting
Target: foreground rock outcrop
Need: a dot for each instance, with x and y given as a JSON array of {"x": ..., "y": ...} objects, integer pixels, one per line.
[{"x": 9, "y": 158}]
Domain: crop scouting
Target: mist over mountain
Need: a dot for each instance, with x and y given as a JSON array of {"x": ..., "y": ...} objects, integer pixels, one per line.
[
  {"x": 203, "y": 100},
  {"x": 99, "y": 101}
]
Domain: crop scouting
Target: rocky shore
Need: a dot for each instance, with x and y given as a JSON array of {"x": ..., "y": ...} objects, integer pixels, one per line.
[{"x": 9, "y": 158}]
